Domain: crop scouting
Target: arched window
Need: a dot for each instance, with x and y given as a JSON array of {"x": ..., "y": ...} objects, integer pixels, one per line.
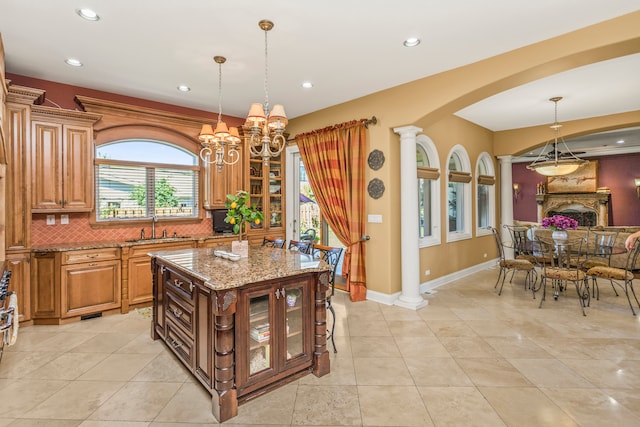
[
  {"x": 458, "y": 195},
  {"x": 485, "y": 195},
  {"x": 141, "y": 178},
  {"x": 428, "y": 167}
]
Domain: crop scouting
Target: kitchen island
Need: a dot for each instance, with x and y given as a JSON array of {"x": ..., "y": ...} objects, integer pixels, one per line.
[{"x": 243, "y": 327}]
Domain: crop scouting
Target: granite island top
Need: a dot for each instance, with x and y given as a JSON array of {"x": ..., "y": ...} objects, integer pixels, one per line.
[{"x": 263, "y": 264}]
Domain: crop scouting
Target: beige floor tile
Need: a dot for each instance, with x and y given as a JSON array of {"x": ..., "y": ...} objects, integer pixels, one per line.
[
  {"x": 381, "y": 371},
  {"x": 475, "y": 313},
  {"x": 550, "y": 373},
  {"x": 459, "y": 407},
  {"x": 437, "y": 371},
  {"x": 368, "y": 328},
  {"x": 20, "y": 397},
  {"x": 450, "y": 328},
  {"x": 409, "y": 328},
  {"x": 517, "y": 348},
  {"x": 393, "y": 312},
  {"x": 433, "y": 312},
  {"x": 277, "y": 407},
  {"x": 139, "y": 401},
  {"x": 630, "y": 399},
  {"x": 6, "y": 421},
  {"x": 592, "y": 408},
  {"x": 92, "y": 423},
  {"x": 20, "y": 364},
  {"x": 460, "y": 347},
  {"x": 564, "y": 348},
  {"x": 493, "y": 372},
  {"x": 142, "y": 343},
  {"x": 64, "y": 341},
  {"x": 392, "y": 406},
  {"x": 190, "y": 404},
  {"x": 68, "y": 366},
  {"x": 526, "y": 407},
  {"x": 606, "y": 373},
  {"x": 491, "y": 328},
  {"x": 326, "y": 405},
  {"x": 49, "y": 423},
  {"x": 342, "y": 373},
  {"x": 164, "y": 368},
  {"x": 416, "y": 347},
  {"x": 374, "y": 347},
  {"x": 117, "y": 367},
  {"x": 76, "y": 401},
  {"x": 104, "y": 343}
]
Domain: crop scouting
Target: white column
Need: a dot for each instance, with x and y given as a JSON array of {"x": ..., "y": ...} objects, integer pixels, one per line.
[
  {"x": 410, "y": 247},
  {"x": 506, "y": 196}
]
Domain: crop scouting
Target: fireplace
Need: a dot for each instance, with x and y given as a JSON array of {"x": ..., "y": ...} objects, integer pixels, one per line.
[{"x": 589, "y": 209}]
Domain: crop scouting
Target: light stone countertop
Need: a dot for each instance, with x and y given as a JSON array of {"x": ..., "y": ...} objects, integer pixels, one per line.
[{"x": 263, "y": 264}]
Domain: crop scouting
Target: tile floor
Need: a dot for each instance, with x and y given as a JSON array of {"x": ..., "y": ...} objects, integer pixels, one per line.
[{"x": 470, "y": 358}]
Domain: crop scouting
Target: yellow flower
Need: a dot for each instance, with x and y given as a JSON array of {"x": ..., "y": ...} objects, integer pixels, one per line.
[
  {"x": 234, "y": 205},
  {"x": 232, "y": 221},
  {"x": 257, "y": 221}
]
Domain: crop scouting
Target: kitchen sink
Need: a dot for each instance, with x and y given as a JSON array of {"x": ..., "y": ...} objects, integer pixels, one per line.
[{"x": 158, "y": 239}]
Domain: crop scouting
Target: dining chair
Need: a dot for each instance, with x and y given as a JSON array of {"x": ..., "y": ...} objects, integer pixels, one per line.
[
  {"x": 300, "y": 246},
  {"x": 273, "y": 242},
  {"x": 565, "y": 267},
  {"x": 309, "y": 235},
  {"x": 520, "y": 241},
  {"x": 512, "y": 265},
  {"x": 331, "y": 256},
  {"x": 600, "y": 246},
  {"x": 626, "y": 275}
]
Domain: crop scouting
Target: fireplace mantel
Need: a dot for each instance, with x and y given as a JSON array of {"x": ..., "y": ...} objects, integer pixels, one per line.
[{"x": 596, "y": 202}]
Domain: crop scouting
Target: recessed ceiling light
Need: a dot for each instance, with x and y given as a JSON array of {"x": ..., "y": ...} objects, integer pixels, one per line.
[
  {"x": 73, "y": 62},
  {"x": 184, "y": 88},
  {"x": 307, "y": 85},
  {"x": 620, "y": 141},
  {"x": 411, "y": 42},
  {"x": 88, "y": 14}
]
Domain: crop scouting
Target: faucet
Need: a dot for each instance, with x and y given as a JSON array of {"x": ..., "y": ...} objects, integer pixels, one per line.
[
  {"x": 154, "y": 219},
  {"x": 142, "y": 234}
]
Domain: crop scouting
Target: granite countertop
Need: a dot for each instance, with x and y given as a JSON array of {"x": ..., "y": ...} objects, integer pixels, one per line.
[
  {"x": 60, "y": 247},
  {"x": 262, "y": 264}
]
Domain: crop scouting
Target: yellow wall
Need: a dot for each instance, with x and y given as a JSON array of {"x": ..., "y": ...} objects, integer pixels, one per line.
[{"x": 430, "y": 102}]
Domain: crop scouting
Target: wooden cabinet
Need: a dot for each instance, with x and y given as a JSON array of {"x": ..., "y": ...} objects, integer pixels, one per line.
[
  {"x": 266, "y": 186},
  {"x": 19, "y": 264},
  {"x": 137, "y": 281},
  {"x": 217, "y": 183},
  {"x": 274, "y": 335},
  {"x": 45, "y": 287},
  {"x": 62, "y": 160},
  {"x": 89, "y": 281}
]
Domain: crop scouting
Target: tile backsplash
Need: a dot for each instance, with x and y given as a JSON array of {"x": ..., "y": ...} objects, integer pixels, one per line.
[{"x": 79, "y": 230}]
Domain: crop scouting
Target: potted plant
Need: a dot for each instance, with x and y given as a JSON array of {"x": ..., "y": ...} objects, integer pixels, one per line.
[
  {"x": 559, "y": 224},
  {"x": 239, "y": 213}
]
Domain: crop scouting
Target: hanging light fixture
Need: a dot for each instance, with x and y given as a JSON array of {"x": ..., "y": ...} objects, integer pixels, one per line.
[
  {"x": 219, "y": 146},
  {"x": 266, "y": 127},
  {"x": 556, "y": 163}
]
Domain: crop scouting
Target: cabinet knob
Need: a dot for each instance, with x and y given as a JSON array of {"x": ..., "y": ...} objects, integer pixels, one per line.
[
  {"x": 93, "y": 264},
  {"x": 191, "y": 287},
  {"x": 177, "y": 283},
  {"x": 177, "y": 312}
]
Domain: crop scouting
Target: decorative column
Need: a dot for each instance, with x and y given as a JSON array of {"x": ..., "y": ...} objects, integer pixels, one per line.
[
  {"x": 506, "y": 196},
  {"x": 410, "y": 244}
]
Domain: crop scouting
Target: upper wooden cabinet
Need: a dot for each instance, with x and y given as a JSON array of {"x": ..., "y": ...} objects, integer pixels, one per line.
[
  {"x": 62, "y": 160},
  {"x": 219, "y": 183},
  {"x": 266, "y": 185}
]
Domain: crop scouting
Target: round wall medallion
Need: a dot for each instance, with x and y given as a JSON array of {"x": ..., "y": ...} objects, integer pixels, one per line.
[
  {"x": 376, "y": 188},
  {"x": 376, "y": 159}
]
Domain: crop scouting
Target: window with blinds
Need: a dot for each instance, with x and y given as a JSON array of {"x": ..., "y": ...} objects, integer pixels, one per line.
[{"x": 139, "y": 179}]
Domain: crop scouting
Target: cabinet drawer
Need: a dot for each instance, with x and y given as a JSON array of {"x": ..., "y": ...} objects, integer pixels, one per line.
[
  {"x": 180, "y": 285},
  {"x": 180, "y": 344},
  {"x": 90, "y": 255},
  {"x": 180, "y": 312}
]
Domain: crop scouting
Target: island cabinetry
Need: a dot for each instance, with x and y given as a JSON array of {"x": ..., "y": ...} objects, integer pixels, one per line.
[
  {"x": 89, "y": 281},
  {"x": 136, "y": 272},
  {"x": 274, "y": 333},
  {"x": 62, "y": 160}
]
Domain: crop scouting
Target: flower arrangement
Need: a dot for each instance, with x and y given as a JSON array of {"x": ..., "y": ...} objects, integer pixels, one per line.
[
  {"x": 559, "y": 222},
  {"x": 239, "y": 212}
]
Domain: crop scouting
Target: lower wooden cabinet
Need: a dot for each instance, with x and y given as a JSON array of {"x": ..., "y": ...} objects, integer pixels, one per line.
[
  {"x": 90, "y": 287},
  {"x": 19, "y": 264}
]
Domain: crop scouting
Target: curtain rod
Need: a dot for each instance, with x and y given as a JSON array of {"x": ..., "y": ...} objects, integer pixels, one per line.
[{"x": 372, "y": 121}]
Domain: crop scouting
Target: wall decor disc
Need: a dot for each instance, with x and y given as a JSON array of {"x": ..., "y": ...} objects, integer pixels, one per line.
[
  {"x": 376, "y": 188},
  {"x": 376, "y": 159}
]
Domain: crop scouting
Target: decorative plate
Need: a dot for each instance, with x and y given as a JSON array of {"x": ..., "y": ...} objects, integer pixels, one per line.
[
  {"x": 376, "y": 159},
  {"x": 375, "y": 188}
]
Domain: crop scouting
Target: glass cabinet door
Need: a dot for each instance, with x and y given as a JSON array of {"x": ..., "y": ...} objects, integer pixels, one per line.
[
  {"x": 275, "y": 194},
  {"x": 260, "y": 337},
  {"x": 294, "y": 321}
]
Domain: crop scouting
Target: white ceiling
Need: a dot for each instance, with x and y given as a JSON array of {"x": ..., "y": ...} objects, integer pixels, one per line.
[{"x": 146, "y": 48}]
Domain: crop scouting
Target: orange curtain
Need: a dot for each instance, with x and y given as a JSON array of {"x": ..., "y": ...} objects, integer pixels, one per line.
[{"x": 334, "y": 159}]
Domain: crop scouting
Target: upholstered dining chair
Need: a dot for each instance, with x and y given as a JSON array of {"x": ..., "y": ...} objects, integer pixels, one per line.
[
  {"x": 512, "y": 265},
  {"x": 301, "y": 246},
  {"x": 520, "y": 242},
  {"x": 273, "y": 242},
  {"x": 331, "y": 256},
  {"x": 599, "y": 248},
  {"x": 565, "y": 267},
  {"x": 625, "y": 275}
]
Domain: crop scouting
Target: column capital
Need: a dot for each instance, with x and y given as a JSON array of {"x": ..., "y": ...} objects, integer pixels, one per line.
[
  {"x": 505, "y": 159},
  {"x": 407, "y": 130}
]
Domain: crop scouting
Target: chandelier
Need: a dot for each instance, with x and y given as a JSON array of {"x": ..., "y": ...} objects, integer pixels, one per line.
[
  {"x": 556, "y": 163},
  {"x": 219, "y": 147},
  {"x": 266, "y": 127}
]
